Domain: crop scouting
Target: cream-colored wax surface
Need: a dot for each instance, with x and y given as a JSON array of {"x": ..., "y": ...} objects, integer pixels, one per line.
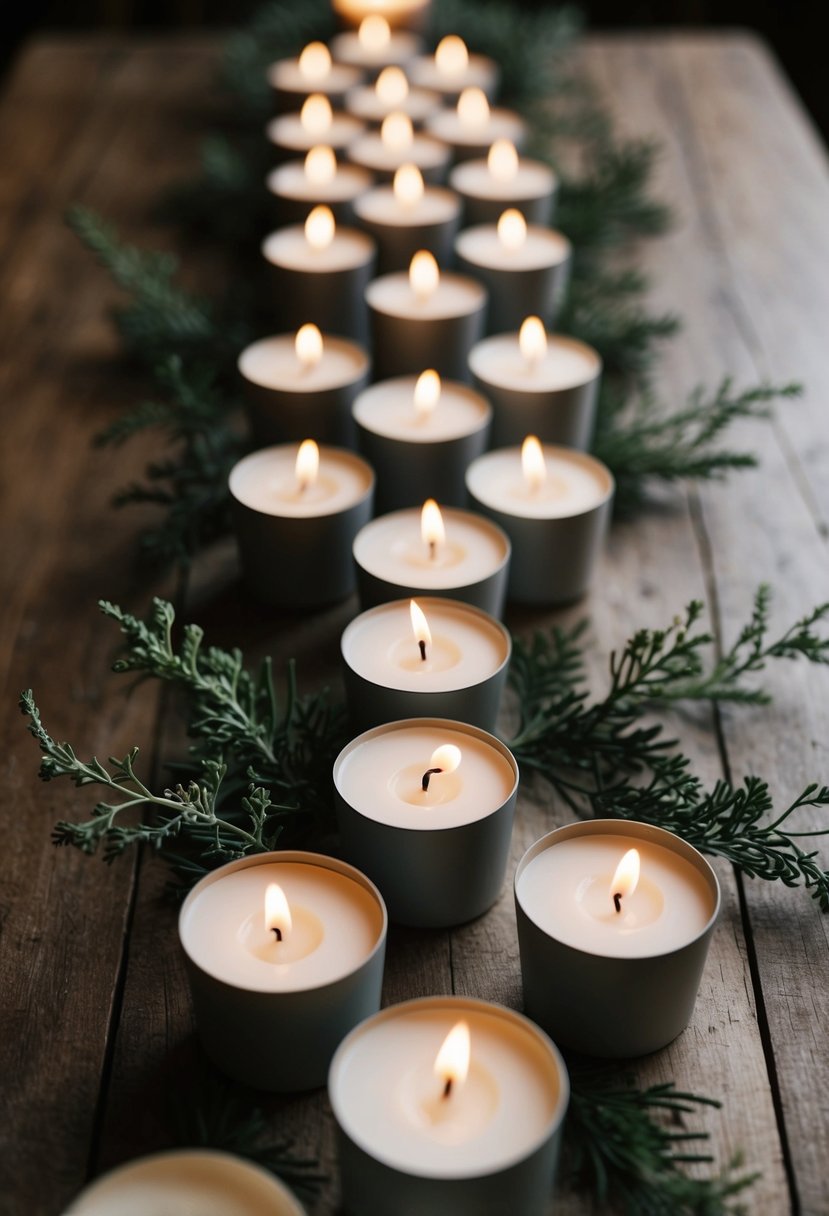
[{"x": 575, "y": 483}]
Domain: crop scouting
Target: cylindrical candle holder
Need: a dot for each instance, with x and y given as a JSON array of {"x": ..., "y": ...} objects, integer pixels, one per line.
[
  {"x": 372, "y": 155},
  {"x": 410, "y": 334},
  {"x": 295, "y": 548},
  {"x": 601, "y": 997},
  {"x": 290, "y": 137},
  {"x": 526, "y": 281},
  {"x": 366, "y": 104},
  {"x": 411, "y": 15},
  {"x": 479, "y": 72},
  {"x": 416, "y": 455},
  {"x": 471, "y": 141},
  {"x": 462, "y": 677},
  {"x": 553, "y": 398},
  {"x": 371, "y": 57},
  {"x": 290, "y": 85},
  {"x": 270, "y": 1025},
  {"x": 471, "y": 564},
  {"x": 530, "y": 189},
  {"x": 401, "y": 230},
  {"x": 296, "y": 194},
  {"x": 556, "y": 539},
  {"x": 286, "y": 401},
  {"x": 326, "y": 286},
  {"x": 437, "y": 854},
  {"x": 496, "y": 1152}
]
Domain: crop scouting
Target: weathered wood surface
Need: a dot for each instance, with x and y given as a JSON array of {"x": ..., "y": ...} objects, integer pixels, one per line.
[{"x": 96, "y": 1030}]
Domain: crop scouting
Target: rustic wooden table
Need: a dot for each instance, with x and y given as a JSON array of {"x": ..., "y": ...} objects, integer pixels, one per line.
[{"x": 96, "y": 1029}]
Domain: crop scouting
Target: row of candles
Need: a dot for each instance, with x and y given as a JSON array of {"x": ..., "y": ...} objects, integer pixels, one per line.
[{"x": 444, "y": 1105}]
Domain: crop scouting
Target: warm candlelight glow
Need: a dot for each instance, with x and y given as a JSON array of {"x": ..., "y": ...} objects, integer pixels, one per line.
[
  {"x": 532, "y": 340},
  {"x": 432, "y": 531},
  {"x": 502, "y": 160},
  {"x": 452, "y": 1061},
  {"x": 426, "y": 393},
  {"x": 532, "y": 463},
  {"x": 420, "y": 628},
  {"x": 408, "y": 185},
  {"x": 451, "y": 55},
  {"x": 374, "y": 33},
  {"x": 307, "y": 464},
  {"x": 316, "y": 115},
  {"x": 321, "y": 165},
  {"x": 444, "y": 759},
  {"x": 625, "y": 878},
  {"x": 473, "y": 109},
  {"x": 397, "y": 132},
  {"x": 512, "y": 229},
  {"x": 392, "y": 87},
  {"x": 308, "y": 345},
  {"x": 315, "y": 61},
  {"x": 320, "y": 227},
  {"x": 277, "y": 912},
  {"x": 424, "y": 275}
]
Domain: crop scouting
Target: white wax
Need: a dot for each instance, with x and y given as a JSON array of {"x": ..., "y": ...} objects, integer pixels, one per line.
[
  {"x": 193, "y": 1181},
  {"x": 501, "y": 124},
  {"x": 379, "y": 206},
  {"x": 391, "y": 548},
  {"x": 455, "y": 296},
  {"x": 480, "y": 72},
  {"x": 388, "y": 409},
  {"x": 575, "y": 483},
  {"x": 418, "y": 104},
  {"x": 273, "y": 363},
  {"x": 369, "y": 152},
  {"x": 482, "y": 246},
  {"x": 288, "y": 248},
  {"x": 287, "y": 76},
  {"x": 287, "y": 131},
  {"x": 533, "y": 180},
  {"x": 565, "y": 890},
  {"x": 397, "y": 12},
  {"x": 336, "y": 926},
  {"x": 400, "y": 49},
  {"x": 266, "y": 482},
  {"x": 566, "y": 364},
  {"x": 387, "y": 1098},
  {"x": 291, "y": 181}
]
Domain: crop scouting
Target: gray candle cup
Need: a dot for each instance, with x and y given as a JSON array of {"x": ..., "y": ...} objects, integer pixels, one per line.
[
  {"x": 289, "y": 140},
  {"x": 430, "y": 878},
  {"x": 404, "y": 344},
  {"x": 466, "y": 144},
  {"x": 397, "y": 243},
  {"x": 333, "y": 299},
  {"x": 294, "y": 197},
  {"x": 516, "y": 293},
  {"x": 372, "y": 704},
  {"x": 283, "y": 1041},
  {"x": 431, "y": 156},
  {"x": 372, "y": 1187},
  {"x": 292, "y": 561},
  {"x": 535, "y": 197},
  {"x": 559, "y": 415},
  {"x": 289, "y": 90},
  {"x": 614, "y": 1008},
  {"x": 553, "y": 560}
]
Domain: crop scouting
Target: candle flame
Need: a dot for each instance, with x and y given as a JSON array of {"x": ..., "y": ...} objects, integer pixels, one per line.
[
  {"x": 426, "y": 393},
  {"x": 512, "y": 229},
  {"x": 432, "y": 531},
  {"x": 532, "y": 463},
  {"x": 316, "y": 115},
  {"x": 308, "y": 345},
  {"x": 277, "y": 912},
  {"x": 315, "y": 61},
  {"x": 307, "y": 464},
  {"x": 502, "y": 160},
  {"x": 452, "y": 1061},
  {"x": 532, "y": 340},
  {"x": 397, "y": 132},
  {"x": 451, "y": 55},
  {"x": 321, "y": 165},
  {"x": 320, "y": 227},
  {"x": 420, "y": 627},
  {"x": 625, "y": 878},
  {"x": 447, "y": 757},
  {"x": 374, "y": 33},
  {"x": 473, "y": 109},
  {"x": 424, "y": 275},
  {"x": 408, "y": 185},
  {"x": 392, "y": 87}
]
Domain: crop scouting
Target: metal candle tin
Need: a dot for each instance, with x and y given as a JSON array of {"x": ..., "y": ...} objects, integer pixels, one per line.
[
  {"x": 533, "y": 193},
  {"x": 405, "y": 343},
  {"x": 521, "y": 288},
  {"x": 432, "y": 226}
]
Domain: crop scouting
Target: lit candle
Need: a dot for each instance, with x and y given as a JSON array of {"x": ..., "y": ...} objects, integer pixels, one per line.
[
  {"x": 374, "y": 45},
  {"x": 622, "y": 914},
  {"x": 300, "y": 185},
  {"x": 425, "y": 808},
  {"x": 397, "y": 143},
  {"x": 488, "y": 186},
  {"x": 292, "y": 80},
  {"x": 545, "y": 385},
  {"x": 452, "y": 553},
  {"x": 399, "y": 14},
  {"x": 316, "y": 124},
  {"x": 420, "y": 434},
  {"x": 301, "y": 383},
  {"x": 452, "y": 69},
  {"x": 448, "y": 1104},
  {"x": 409, "y": 216},
  {"x": 555, "y": 505},
  {"x": 473, "y": 126},
  {"x": 320, "y": 272},
  {"x": 424, "y": 319},
  {"x": 391, "y": 91},
  {"x": 185, "y": 1181},
  {"x": 296, "y": 512},
  {"x": 524, "y": 269}
]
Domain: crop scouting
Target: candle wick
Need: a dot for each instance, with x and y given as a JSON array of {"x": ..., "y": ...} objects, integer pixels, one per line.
[
  {"x": 424, "y": 784},
  {"x": 303, "y": 486},
  {"x": 617, "y": 902},
  {"x": 433, "y": 548},
  {"x": 447, "y": 1089},
  {"x": 421, "y": 643},
  {"x": 278, "y": 933}
]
